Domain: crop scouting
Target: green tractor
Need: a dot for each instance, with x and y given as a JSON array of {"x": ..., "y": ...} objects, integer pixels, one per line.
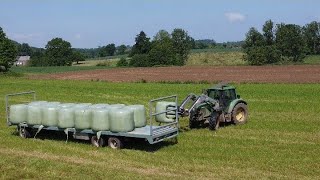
[{"x": 218, "y": 104}]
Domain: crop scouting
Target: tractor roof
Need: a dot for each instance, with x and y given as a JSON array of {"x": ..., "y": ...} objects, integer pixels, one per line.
[{"x": 222, "y": 87}]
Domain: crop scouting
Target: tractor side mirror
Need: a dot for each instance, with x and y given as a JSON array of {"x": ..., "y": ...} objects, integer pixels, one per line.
[{"x": 238, "y": 96}]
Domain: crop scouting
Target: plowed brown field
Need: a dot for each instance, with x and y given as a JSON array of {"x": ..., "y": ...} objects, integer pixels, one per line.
[{"x": 253, "y": 74}]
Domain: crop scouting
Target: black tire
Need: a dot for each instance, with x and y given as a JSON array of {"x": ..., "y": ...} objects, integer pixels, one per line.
[
  {"x": 214, "y": 121},
  {"x": 115, "y": 143},
  {"x": 240, "y": 114},
  {"x": 193, "y": 121},
  {"x": 98, "y": 142},
  {"x": 24, "y": 132}
]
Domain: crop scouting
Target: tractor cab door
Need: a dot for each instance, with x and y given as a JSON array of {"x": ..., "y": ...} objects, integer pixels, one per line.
[{"x": 228, "y": 96}]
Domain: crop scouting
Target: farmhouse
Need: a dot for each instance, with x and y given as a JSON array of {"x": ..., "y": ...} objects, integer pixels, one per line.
[{"x": 22, "y": 60}]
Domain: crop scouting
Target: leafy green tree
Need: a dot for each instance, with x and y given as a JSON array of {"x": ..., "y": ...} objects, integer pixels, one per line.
[
  {"x": 290, "y": 42},
  {"x": 102, "y": 52},
  {"x": 122, "y": 62},
  {"x": 24, "y": 49},
  {"x": 268, "y": 33},
  {"x": 253, "y": 39},
  {"x": 140, "y": 60},
  {"x": 76, "y": 56},
  {"x": 162, "y": 53},
  {"x": 312, "y": 37},
  {"x": 121, "y": 49},
  {"x": 110, "y": 49},
  {"x": 162, "y": 34},
  {"x": 182, "y": 45},
  {"x": 58, "y": 52},
  {"x": 142, "y": 45},
  {"x": 8, "y": 52},
  {"x": 254, "y": 47}
]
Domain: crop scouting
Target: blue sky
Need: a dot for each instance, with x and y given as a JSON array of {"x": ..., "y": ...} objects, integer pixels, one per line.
[{"x": 93, "y": 23}]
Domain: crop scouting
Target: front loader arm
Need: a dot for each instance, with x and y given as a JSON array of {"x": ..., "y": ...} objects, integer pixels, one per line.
[{"x": 198, "y": 101}]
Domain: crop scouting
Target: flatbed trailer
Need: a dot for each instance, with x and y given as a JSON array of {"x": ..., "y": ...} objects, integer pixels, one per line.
[{"x": 151, "y": 133}]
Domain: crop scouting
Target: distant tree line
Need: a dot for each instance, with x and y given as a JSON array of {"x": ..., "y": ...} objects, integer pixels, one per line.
[
  {"x": 281, "y": 43},
  {"x": 164, "y": 49}
]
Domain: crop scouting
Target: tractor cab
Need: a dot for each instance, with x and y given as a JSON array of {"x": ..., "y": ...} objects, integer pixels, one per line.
[{"x": 225, "y": 94}]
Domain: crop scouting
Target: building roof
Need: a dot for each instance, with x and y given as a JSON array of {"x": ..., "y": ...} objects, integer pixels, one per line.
[{"x": 23, "y": 58}]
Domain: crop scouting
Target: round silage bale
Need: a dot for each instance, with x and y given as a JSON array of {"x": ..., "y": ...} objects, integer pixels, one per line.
[
  {"x": 18, "y": 113},
  {"x": 34, "y": 113},
  {"x": 100, "y": 119},
  {"x": 50, "y": 114},
  {"x": 139, "y": 115},
  {"x": 81, "y": 105},
  {"x": 83, "y": 117},
  {"x": 163, "y": 106},
  {"x": 54, "y": 103},
  {"x": 113, "y": 106},
  {"x": 121, "y": 120},
  {"x": 38, "y": 103},
  {"x": 66, "y": 117},
  {"x": 66, "y": 105},
  {"x": 100, "y": 106}
]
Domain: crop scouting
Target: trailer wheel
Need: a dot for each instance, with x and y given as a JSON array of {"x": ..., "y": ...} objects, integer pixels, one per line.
[
  {"x": 24, "y": 132},
  {"x": 115, "y": 143},
  {"x": 240, "y": 114},
  {"x": 97, "y": 142},
  {"x": 214, "y": 121}
]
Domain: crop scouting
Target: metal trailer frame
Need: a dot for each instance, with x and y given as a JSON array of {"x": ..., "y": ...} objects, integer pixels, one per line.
[{"x": 151, "y": 133}]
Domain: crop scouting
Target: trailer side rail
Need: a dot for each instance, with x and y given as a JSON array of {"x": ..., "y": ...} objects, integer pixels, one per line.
[{"x": 33, "y": 93}]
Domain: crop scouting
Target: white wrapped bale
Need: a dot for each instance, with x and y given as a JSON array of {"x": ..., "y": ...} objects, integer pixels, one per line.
[
  {"x": 66, "y": 105},
  {"x": 100, "y": 119},
  {"x": 66, "y": 117},
  {"x": 99, "y": 106},
  {"x": 50, "y": 115},
  {"x": 139, "y": 115},
  {"x": 83, "y": 117},
  {"x": 115, "y": 106},
  {"x": 81, "y": 105},
  {"x": 163, "y": 106},
  {"x": 121, "y": 120},
  {"x": 34, "y": 113},
  {"x": 18, "y": 113}
]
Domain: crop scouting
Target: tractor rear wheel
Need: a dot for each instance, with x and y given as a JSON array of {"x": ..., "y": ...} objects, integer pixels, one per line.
[
  {"x": 214, "y": 121},
  {"x": 240, "y": 114}
]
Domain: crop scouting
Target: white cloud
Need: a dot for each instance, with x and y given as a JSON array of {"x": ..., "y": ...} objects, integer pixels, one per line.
[
  {"x": 235, "y": 17},
  {"x": 77, "y": 36}
]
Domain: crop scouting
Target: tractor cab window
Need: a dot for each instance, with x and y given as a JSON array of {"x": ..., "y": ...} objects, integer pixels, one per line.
[
  {"x": 215, "y": 94},
  {"x": 229, "y": 95}
]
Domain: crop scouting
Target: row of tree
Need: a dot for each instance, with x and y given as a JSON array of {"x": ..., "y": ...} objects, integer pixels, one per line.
[
  {"x": 8, "y": 52},
  {"x": 281, "y": 43},
  {"x": 58, "y": 52},
  {"x": 164, "y": 49}
]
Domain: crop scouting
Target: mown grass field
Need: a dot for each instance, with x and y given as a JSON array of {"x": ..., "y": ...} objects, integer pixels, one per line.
[{"x": 280, "y": 141}]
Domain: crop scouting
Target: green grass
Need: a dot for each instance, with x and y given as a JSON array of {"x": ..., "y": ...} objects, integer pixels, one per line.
[
  {"x": 280, "y": 141},
  {"x": 53, "y": 69},
  {"x": 312, "y": 59},
  {"x": 216, "y": 59}
]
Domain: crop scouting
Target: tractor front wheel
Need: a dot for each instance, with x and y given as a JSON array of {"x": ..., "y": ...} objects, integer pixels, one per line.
[
  {"x": 240, "y": 114},
  {"x": 214, "y": 121},
  {"x": 193, "y": 121}
]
